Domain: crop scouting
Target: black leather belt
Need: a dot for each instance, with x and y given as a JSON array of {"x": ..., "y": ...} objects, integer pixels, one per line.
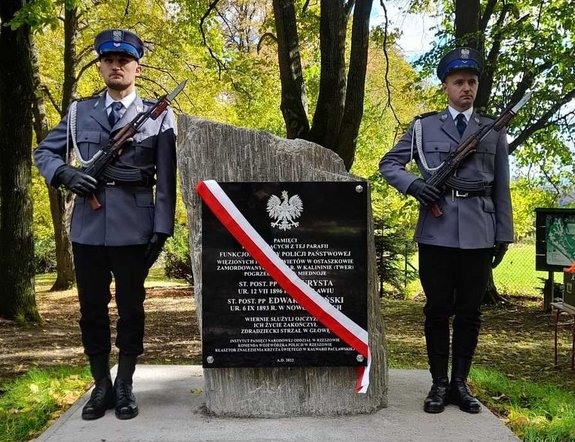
[{"x": 487, "y": 191}]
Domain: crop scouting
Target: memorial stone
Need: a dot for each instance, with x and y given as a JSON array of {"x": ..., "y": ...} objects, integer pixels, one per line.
[{"x": 227, "y": 154}]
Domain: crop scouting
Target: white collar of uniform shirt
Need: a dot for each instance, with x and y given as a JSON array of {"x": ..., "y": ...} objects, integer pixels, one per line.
[
  {"x": 454, "y": 113},
  {"x": 126, "y": 101}
]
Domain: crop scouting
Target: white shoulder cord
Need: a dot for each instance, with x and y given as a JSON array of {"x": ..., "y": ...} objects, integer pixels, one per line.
[
  {"x": 72, "y": 134},
  {"x": 419, "y": 144}
]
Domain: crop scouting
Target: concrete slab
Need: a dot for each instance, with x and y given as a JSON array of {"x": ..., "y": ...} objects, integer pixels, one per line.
[{"x": 170, "y": 398}]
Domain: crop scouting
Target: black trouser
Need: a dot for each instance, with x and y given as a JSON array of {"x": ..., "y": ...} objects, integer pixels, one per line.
[
  {"x": 94, "y": 267},
  {"x": 454, "y": 282}
]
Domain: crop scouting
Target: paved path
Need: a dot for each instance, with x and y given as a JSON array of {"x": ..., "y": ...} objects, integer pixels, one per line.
[{"x": 170, "y": 400}]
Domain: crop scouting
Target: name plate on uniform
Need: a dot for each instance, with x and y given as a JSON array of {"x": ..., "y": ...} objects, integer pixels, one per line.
[{"x": 319, "y": 230}]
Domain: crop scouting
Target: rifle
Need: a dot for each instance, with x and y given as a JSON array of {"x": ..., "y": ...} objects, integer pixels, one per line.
[
  {"x": 469, "y": 146},
  {"x": 113, "y": 148}
]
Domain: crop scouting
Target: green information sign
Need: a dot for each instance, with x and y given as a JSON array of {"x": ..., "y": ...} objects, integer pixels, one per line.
[{"x": 555, "y": 239}]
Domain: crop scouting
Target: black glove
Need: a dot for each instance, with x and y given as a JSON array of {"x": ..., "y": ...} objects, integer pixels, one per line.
[
  {"x": 155, "y": 246},
  {"x": 76, "y": 180},
  {"x": 423, "y": 192},
  {"x": 499, "y": 251}
]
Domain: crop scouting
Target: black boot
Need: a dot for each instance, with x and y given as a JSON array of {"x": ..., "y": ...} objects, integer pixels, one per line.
[
  {"x": 102, "y": 397},
  {"x": 437, "y": 398},
  {"x": 100, "y": 366},
  {"x": 126, "y": 407},
  {"x": 460, "y": 394}
]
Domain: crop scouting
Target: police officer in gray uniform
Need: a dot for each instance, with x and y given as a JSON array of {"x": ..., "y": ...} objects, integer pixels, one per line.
[
  {"x": 457, "y": 249},
  {"x": 125, "y": 236}
]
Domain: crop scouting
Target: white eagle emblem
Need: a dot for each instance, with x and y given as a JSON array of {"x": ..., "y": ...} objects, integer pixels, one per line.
[
  {"x": 117, "y": 35},
  {"x": 284, "y": 212}
]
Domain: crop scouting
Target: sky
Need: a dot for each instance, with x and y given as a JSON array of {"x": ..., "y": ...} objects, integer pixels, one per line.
[{"x": 417, "y": 34}]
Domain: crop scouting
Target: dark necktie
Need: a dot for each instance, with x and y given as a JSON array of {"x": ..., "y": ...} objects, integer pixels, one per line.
[
  {"x": 114, "y": 115},
  {"x": 461, "y": 124}
]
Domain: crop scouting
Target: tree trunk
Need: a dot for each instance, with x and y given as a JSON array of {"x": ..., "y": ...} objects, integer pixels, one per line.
[
  {"x": 293, "y": 105},
  {"x": 61, "y": 205},
  {"x": 17, "y": 296},
  {"x": 467, "y": 33},
  {"x": 492, "y": 296},
  {"x": 339, "y": 107},
  {"x": 330, "y": 102},
  {"x": 353, "y": 113},
  {"x": 70, "y": 57},
  {"x": 467, "y": 16},
  {"x": 60, "y": 202}
]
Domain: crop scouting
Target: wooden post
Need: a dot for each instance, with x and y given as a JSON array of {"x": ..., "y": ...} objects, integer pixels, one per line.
[{"x": 548, "y": 291}]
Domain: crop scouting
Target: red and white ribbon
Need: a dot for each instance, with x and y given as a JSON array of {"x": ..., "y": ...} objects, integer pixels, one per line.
[{"x": 341, "y": 325}]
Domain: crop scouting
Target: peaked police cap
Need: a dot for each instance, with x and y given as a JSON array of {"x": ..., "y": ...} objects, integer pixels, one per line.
[
  {"x": 119, "y": 40},
  {"x": 458, "y": 59}
]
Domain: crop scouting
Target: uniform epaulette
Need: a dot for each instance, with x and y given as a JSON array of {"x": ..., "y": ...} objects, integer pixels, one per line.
[
  {"x": 88, "y": 98},
  {"x": 425, "y": 115},
  {"x": 150, "y": 100}
]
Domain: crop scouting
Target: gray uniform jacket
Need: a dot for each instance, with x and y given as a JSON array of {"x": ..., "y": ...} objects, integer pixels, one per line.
[
  {"x": 129, "y": 214},
  {"x": 467, "y": 223}
]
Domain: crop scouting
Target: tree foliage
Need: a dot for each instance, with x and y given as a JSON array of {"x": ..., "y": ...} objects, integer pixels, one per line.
[
  {"x": 391, "y": 101},
  {"x": 336, "y": 65}
]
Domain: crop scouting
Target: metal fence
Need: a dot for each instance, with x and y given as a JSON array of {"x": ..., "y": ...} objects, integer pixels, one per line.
[{"x": 516, "y": 275}]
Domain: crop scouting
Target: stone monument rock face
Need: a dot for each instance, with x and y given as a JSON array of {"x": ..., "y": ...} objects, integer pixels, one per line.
[{"x": 224, "y": 153}]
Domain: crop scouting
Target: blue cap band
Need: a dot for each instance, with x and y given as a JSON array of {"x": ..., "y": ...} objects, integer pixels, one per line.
[
  {"x": 111, "y": 46},
  {"x": 461, "y": 64}
]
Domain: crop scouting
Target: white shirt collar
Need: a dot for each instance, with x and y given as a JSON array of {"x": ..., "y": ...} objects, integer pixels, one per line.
[
  {"x": 454, "y": 113},
  {"x": 126, "y": 101}
]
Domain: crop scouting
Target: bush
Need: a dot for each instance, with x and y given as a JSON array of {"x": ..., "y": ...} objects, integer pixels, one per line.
[
  {"x": 45, "y": 255},
  {"x": 178, "y": 263},
  {"x": 392, "y": 248}
]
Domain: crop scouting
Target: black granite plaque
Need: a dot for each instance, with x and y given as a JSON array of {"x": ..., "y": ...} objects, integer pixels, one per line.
[{"x": 319, "y": 229}]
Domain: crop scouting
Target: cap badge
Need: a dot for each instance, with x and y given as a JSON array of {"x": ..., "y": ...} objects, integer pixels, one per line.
[
  {"x": 465, "y": 53},
  {"x": 117, "y": 36}
]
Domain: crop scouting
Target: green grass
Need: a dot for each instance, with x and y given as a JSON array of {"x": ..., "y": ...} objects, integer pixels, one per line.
[
  {"x": 536, "y": 412},
  {"x": 156, "y": 278},
  {"x": 28, "y": 403}
]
